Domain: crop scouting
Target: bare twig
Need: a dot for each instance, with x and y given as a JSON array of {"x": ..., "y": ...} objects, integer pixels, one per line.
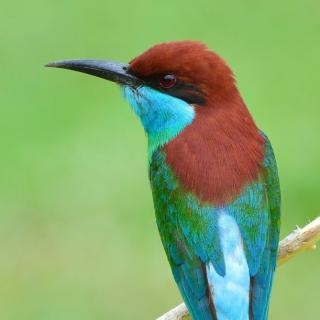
[{"x": 296, "y": 242}]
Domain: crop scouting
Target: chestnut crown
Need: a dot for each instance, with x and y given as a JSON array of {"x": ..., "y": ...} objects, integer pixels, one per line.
[{"x": 185, "y": 69}]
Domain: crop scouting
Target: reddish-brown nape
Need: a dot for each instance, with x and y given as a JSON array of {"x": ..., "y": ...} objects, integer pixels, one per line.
[{"x": 222, "y": 150}]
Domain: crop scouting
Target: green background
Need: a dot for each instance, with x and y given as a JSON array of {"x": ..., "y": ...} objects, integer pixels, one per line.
[{"x": 78, "y": 238}]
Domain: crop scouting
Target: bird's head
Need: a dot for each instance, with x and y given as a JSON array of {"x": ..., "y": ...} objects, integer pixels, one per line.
[
  {"x": 186, "y": 98},
  {"x": 167, "y": 86}
]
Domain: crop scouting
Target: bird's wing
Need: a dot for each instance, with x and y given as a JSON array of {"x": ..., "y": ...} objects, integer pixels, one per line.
[
  {"x": 189, "y": 236},
  {"x": 261, "y": 282}
]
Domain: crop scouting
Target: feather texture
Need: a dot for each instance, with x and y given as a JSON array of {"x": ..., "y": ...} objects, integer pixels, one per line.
[
  {"x": 192, "y": 239},
  {"x": 214, "y": 181}
]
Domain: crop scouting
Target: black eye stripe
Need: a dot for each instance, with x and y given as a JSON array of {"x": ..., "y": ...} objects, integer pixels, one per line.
[
  {"x": 185, "y": 91},
  {"x": 188, "y": 92}
]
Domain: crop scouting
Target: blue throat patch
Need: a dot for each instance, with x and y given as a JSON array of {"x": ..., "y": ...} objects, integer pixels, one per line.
[{"x": 163, "y": 116}]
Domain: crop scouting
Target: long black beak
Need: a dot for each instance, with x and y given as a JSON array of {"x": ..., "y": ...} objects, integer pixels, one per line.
[{"x": 109, "y": 70}]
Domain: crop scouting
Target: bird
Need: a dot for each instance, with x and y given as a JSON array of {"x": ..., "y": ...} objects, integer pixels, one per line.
[{"x": 212, "y": 172}]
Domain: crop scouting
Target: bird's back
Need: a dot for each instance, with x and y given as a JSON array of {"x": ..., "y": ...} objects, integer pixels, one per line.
[{"x": 222, "y": 257}]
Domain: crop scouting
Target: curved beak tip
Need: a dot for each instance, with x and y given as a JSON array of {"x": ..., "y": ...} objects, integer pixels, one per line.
[{"x": 54, "y": 64}]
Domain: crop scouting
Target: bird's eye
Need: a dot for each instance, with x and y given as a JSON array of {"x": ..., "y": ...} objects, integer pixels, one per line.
[{"x": 167, "y": 81}]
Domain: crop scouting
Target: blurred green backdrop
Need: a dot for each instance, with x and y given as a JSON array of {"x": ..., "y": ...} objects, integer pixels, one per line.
[{"x": 78, "y": 238}]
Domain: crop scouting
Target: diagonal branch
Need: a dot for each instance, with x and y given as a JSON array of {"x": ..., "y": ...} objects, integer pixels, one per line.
[{"x": 296, "y": 242}]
